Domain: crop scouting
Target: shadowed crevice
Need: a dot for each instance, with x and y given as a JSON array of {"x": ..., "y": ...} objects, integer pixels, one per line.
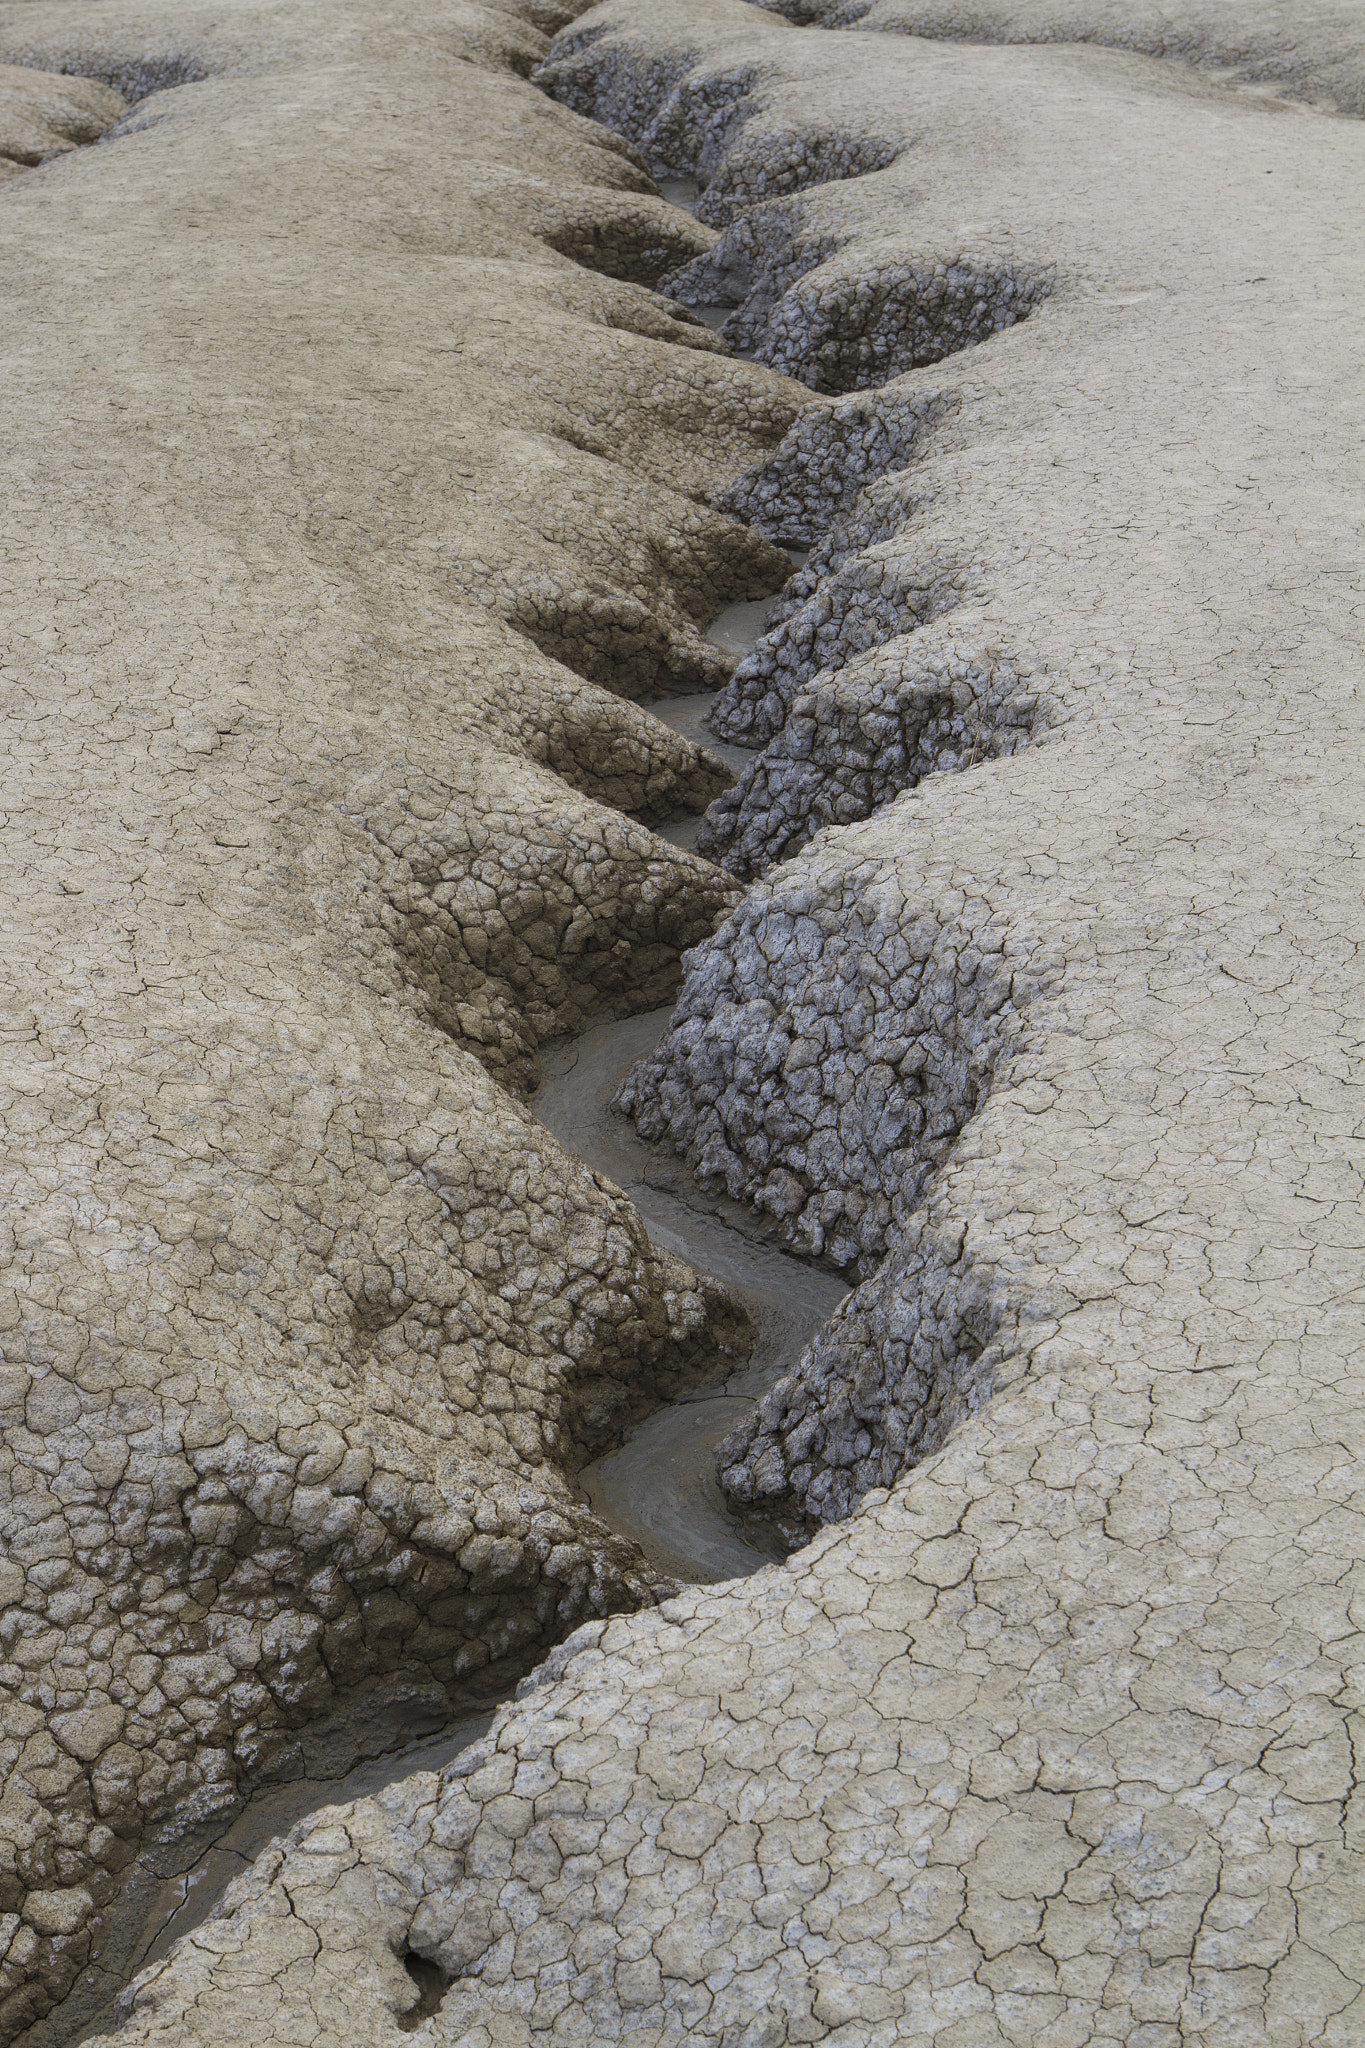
[
  {"x": 432, "y": 1983},
  {"x": 798, "y": 313}
]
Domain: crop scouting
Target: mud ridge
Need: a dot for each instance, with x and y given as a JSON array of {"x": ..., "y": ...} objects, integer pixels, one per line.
[
  {"x": 848, "y": 711},
  {"x": 45, "y": 114}
]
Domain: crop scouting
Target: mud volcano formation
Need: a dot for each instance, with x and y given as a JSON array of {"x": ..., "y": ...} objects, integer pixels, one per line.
[{"x": 681, "y": 1316}]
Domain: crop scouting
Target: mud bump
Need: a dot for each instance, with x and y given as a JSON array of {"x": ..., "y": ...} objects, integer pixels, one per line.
[{"x": 43, "y": 115}]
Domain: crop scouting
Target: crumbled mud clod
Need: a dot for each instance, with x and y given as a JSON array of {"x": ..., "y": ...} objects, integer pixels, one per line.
[
  {"x": 856, "y": 736},
  {"x": 839, "y": 334},
  {"x": 829, "y": 1044}
]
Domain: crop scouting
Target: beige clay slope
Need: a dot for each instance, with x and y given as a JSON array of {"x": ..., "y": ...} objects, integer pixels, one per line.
[
  {"x": 1054, "y": 1739},
  {"x": 1315, "y": 55},
  {"x": 322, "y": 461}
]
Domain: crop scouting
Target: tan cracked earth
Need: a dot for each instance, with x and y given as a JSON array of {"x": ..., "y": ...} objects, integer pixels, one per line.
[{"x": 364, "y": 469}]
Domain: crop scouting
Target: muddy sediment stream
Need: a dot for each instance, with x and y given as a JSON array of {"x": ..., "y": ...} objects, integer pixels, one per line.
[{"x": 658, "y": 1488}]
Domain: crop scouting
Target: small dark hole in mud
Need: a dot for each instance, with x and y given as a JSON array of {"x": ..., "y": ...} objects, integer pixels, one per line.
[
  {"x": 432, "y": 1984},
  {"x": 681, "y": 192},
  {"x": 716, "y": 317}
]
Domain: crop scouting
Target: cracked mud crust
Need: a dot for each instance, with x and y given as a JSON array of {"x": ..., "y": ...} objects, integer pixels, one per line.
[
  {"x": 331, "y": 487},
  {"x": 367, "y": 467},
  {"x": 1313, "y": 56}
]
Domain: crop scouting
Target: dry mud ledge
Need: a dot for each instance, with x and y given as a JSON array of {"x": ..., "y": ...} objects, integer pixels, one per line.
[{"x": 367, "y": 479}]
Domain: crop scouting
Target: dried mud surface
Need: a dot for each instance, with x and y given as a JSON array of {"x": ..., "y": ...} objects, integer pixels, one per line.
[
  {"x": 334, "y": 486},
  {"x": 368, "y": 469}
]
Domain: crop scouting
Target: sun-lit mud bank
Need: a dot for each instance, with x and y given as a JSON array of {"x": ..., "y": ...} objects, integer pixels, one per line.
[
  {"x": 659, "y": 1489},
  {"x": 356, "y": 482},
  {"x": 1314, "y": 56},
  {"x": 1051, "y": 1738}
]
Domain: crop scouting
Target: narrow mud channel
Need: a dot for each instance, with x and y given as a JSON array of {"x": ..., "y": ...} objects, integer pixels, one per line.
[{"x": 658, "y": 1488}]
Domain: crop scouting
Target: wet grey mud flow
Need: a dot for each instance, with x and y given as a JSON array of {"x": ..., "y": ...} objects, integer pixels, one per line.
[
  {"x": 685, "y": 193},
  {"x": 659, "y": 1488},
  {"x": 736, "y": 630},
  {"x": 176, "y": 1884}
]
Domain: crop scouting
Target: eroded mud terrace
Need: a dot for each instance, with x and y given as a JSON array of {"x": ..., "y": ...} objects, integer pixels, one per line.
[{"x": 385, "y": 442}]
